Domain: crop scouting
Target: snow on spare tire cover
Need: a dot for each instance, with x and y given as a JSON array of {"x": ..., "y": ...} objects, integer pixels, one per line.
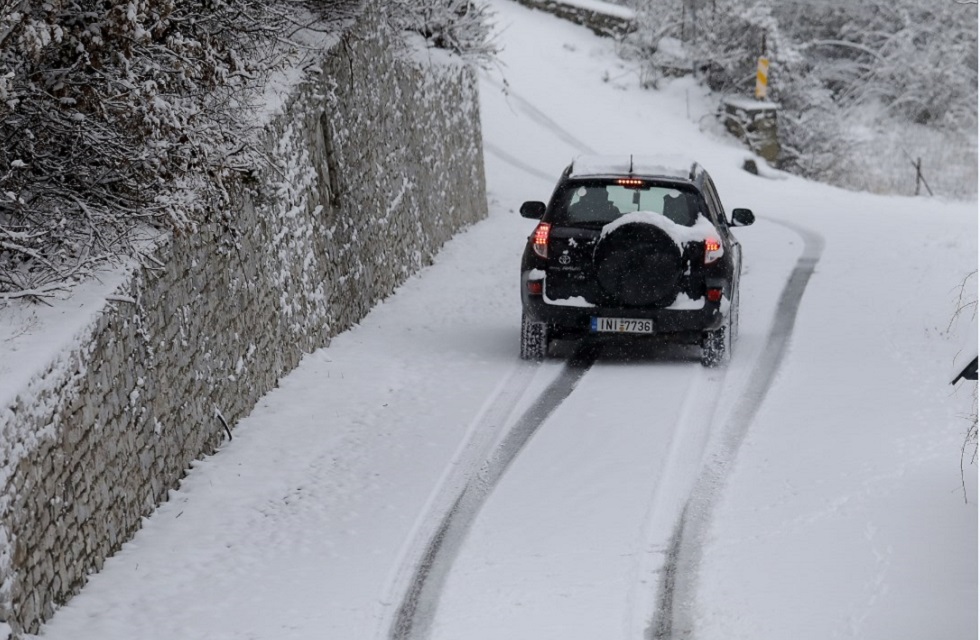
[{"x": 639, "y": 257}]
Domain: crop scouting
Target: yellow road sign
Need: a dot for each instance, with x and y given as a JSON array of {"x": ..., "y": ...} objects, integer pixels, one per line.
[{"x": 762, "y": 78}]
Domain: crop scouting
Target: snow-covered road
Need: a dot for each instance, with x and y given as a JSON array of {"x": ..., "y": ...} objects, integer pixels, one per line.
[{"x": 416, "y": 480}]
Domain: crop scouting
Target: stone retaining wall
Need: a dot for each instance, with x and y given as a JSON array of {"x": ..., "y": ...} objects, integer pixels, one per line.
[
  {"x": 615, "y": 21},
  {"x": 377, "y": 162}
]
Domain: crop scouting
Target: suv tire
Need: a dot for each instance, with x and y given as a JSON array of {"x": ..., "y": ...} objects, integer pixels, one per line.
[
  {"x": 534, "y": 339},
  {"x": 716, "y": 346}
]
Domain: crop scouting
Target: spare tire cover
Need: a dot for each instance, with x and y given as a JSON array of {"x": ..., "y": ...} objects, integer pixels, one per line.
[{"x": 638, "y": 265}]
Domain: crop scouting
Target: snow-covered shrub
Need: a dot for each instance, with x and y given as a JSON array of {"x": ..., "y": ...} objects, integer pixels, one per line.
[
  {"x": 966, "y": 316},
  {"x": 908, "y": 62},
  {"x": 460, "y": 26},
  {"x": 877, "y": 153},
  {"x": 115, "y": 114},
  {"x": 910, "y": 68},
  {"x": 120, "y": 113},
  {"x": 722, "y": 38},
  {"x": 970, "y": 441},
  {"x": 917, "y": 57}
]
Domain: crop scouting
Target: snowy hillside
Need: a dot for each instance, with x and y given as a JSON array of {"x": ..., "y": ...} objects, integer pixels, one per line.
[{"x": 417, "y": 480}]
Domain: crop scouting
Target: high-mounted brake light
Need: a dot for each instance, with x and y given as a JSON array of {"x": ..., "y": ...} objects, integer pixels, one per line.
[
  {"x": 630, "y": 183},
  {"x": 712, "y": 250},
  {"x": 539, "y": 240}
]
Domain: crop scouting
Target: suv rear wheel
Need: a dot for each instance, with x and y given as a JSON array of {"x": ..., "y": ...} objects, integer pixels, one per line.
[
  {"x": 534, "y": 339},
  {"x": 716, "y": 346}
]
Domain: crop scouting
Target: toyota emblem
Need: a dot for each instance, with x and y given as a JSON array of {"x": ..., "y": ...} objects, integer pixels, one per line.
[{"x": 564, "y": 259}]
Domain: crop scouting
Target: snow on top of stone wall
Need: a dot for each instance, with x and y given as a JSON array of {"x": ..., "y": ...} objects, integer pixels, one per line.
[
  {"x": 606, "y": 8},
  {"x": 33, "y": 335},
  {"x": 309, "y": 45}
]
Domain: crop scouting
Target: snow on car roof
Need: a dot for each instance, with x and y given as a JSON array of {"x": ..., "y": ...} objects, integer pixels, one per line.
[{"x": 673, "y": 166}]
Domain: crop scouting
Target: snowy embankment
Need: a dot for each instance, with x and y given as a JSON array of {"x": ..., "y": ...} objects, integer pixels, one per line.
[{"x": 831, "y": 492}]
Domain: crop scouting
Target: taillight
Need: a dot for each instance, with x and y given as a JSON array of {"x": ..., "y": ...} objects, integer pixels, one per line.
[
  {"x": 712, "y": 250},
  {"x": 714, "y": 295},
  {"x": 631, "y": 183},
  {"x": 535, "y": 287},
  {"x": 539, "y": 240}
]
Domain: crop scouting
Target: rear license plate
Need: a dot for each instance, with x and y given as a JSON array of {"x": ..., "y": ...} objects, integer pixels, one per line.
[{"x": 621, "y": 325}]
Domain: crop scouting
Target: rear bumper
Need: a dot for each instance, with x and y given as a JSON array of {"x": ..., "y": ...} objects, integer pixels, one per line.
[{"x": 570, "y": 318}]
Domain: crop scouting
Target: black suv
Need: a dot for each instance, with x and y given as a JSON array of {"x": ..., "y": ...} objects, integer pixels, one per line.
[{"x": 632, "y": 246}]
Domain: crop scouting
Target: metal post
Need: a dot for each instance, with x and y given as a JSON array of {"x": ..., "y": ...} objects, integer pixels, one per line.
[{"x": 921, "y": 178}]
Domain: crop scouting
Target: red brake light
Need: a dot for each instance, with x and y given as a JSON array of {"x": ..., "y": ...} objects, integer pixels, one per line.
[
  {"x": 714, "y": 295},
  {"x": 630, "y": 183},
  {"x": 712, "y": 250},
  {"x": 539, "y": 240},
  {"x": 535, "y": 287}
]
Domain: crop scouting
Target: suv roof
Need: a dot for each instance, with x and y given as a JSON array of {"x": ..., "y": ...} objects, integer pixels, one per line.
[{"x": 668, "y": 166}]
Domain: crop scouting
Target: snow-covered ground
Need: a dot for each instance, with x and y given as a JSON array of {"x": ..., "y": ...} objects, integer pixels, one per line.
[{"x": 817, "y": 477}]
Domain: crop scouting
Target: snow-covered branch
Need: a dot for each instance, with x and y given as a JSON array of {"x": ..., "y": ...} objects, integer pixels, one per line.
[
  {"x": 112, "y": 112},
  {"x": 911, "y": 61},
  {"x": 119, "y": 113},
  {"x": 461, "y": 26}
]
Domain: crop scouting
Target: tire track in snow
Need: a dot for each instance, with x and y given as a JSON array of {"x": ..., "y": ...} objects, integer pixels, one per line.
[
  {"x": 541, "y": 118},
  {"x": 677, "y": 474},
  {"x": 470, "y": 454},
  {"x": 516, "y": 162},
  {"x": 414, "y": 616},
  {"x": 679, "y": 581}
]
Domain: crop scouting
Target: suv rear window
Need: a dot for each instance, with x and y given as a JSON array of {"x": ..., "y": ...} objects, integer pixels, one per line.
[{"x": 601, "y": 202}]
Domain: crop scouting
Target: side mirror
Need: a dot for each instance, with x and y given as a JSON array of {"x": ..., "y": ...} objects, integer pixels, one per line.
[
  {"x": 532, "y": 209},
  {"x": 742, "y": 217}
]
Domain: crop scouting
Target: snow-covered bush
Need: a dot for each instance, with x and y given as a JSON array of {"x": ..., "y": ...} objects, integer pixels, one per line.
[
  {"x": 722, "y": 39},
  {"x": 965, "y": 316},
  {"x": 897, "y": 64},
  {"x": 460, "y": 26},
  {"x": 833, "y": 67},
  {"x": 111, "y": 114},
  {"x": 115, "y": 114},
  {"x": 917, "y": 57}
]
